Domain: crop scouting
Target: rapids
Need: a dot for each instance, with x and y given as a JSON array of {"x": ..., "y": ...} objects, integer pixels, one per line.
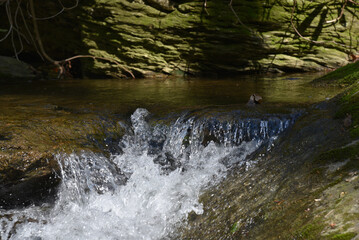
[{"x": 146, "y": 190}]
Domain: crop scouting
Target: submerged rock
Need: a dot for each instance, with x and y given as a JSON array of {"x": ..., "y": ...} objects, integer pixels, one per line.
[{"x": 254, "y": 99}]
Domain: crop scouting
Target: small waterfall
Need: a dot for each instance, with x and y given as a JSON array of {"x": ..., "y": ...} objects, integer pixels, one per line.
[{"x": 149, "y": 188}]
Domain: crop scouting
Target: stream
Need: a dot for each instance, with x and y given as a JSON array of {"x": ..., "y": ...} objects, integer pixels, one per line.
[{"x": 180, "y": 138}]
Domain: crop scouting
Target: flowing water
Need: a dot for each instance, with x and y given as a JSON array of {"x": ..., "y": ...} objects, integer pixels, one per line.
[{"x": 171, "y": 151}]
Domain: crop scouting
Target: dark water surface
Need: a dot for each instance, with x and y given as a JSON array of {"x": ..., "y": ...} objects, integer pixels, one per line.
[{"x": 158, "y": 95}]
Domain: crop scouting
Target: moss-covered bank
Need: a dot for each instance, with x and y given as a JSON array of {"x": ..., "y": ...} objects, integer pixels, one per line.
[
  {"x": 191, "y": 39},
  {"x": 185, "y": 37}
]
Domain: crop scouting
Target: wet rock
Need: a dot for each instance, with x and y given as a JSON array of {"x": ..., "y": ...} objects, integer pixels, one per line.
[
  {"x": 254, "y": 99},
  {"x": 163, "y": 5},
  {"x": 27, "y": 177},
  {"x": 161, "y": 36}
]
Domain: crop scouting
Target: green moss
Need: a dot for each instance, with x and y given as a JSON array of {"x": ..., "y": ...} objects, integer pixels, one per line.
[
  {"x": 347, "y": 75},
  {"x": 318, "y": 192},
  {"x": 350, "y": 106},
  {"x": 349, "y": 101},
  {"x": 309, "y": 232},
  {"x": 342, "y": 236},
  {"x": 235, "y": 227},
  {"x": 339, "y": 154}
]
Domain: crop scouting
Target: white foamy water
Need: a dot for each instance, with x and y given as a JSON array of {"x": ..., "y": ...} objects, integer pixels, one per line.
[{"x": 147, "y": 191}]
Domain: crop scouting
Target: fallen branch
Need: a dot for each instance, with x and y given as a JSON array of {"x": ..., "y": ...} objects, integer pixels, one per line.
[
  {"x": 7, "y": 6},
  {"x": 205, "y": 6},
  {"x": 38, "y": 38}
]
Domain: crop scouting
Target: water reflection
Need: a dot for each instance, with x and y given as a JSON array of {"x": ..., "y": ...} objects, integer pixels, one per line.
[{"x": 161, "y": 95}]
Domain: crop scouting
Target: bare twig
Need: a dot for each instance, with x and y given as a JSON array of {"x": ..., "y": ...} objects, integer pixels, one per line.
[
  {"x": 63, "y": 9},
  {"x": 205, "y": 6},
  {"x": 10, "y": 21},
  {"x": 14, "y": 31},
  {"x": 340, "y": 15},
  {"x": 353, "y": 2},
  {"x": 308, "y": 39},
  {"x": 30, "y": 34}
]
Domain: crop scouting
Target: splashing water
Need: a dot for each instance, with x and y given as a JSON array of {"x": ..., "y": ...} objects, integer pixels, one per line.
[{"x": 149, "y": 189}]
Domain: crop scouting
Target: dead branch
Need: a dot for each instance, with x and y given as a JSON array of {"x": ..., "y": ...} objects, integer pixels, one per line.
[
  {"x": 7, "y": 6},
  {"x": 295, "y": 29},
  {"x": 205, "y": 6},
  {"x": 32, "y": 41}
]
